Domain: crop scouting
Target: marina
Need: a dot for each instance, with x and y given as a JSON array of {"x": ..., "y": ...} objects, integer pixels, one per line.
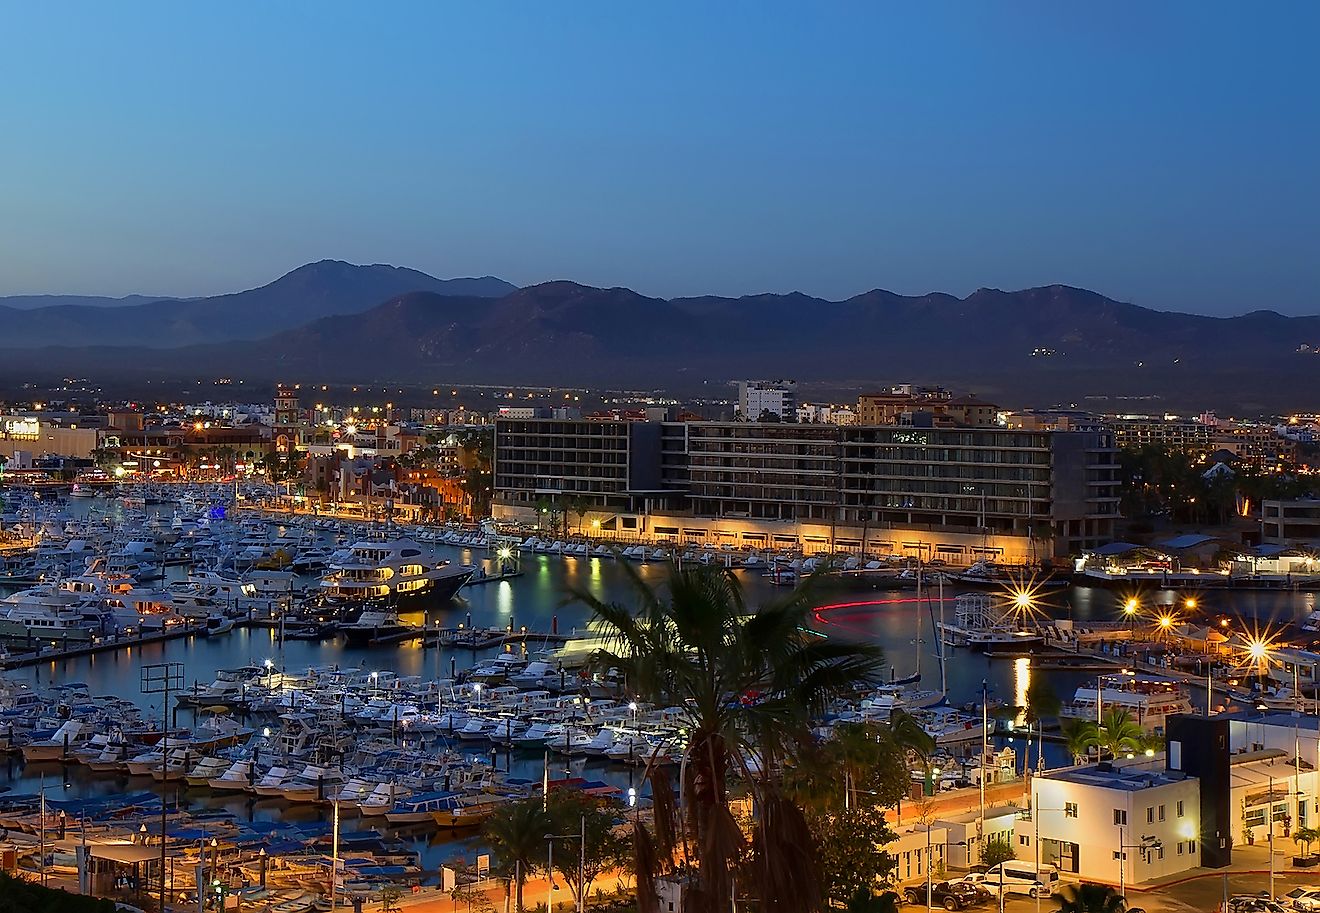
[{"x": 414, "y": 719}]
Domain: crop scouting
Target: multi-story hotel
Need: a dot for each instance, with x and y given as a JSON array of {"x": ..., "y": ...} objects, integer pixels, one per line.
[
  {"x": 957, "y": 494},
  {"x": 1177, "y": 434}
]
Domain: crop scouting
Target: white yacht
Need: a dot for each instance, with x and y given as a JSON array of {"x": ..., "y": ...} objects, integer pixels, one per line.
[
  {"x": 400, "y": 571},
  {"x": 1149, "y": 699}
]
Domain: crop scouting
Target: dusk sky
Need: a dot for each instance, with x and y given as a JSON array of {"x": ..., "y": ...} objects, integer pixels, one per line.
[{"x": 1166, "y": 154}]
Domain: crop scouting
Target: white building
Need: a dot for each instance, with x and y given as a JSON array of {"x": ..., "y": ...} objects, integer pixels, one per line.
[
  {"x": 756, "y": 397},
  {"x": 1090, "y": 820},
  {"x": 967, "y": 835}
]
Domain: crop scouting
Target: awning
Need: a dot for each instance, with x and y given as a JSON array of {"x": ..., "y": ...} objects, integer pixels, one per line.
[{"x": 123, "y": 852}]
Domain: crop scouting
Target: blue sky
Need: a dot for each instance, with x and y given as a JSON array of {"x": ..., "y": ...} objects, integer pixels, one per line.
[{"x": 1161, "y": 153}]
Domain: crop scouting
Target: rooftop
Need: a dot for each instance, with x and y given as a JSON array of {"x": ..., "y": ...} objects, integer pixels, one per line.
[{"x": 1130, "y": 778}]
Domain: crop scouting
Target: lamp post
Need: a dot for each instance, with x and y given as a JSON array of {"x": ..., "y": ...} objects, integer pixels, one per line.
[
  {"x": 935, "y": 772},
  {"x": 261, "y": 854},
  {"x": 1035, "y": 839},
  {"x": 1147, "y": 844},
  {"x": 582, "y": 865}
]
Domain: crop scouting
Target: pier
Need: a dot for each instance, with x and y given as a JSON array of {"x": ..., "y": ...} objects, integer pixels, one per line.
[{"x": 100, "y": 645}]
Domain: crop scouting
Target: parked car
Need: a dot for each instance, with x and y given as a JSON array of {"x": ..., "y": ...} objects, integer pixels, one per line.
[
  {"x": 1254, "y": 903},
  {"x": 951, "y": 895},
  {"x": 1305, "y": 898}
]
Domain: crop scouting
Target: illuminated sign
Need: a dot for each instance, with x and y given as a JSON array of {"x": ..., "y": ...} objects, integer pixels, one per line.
[{"x": 29, "y": 428}]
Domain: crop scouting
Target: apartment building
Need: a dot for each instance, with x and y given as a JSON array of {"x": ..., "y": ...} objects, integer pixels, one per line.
[
  {"x": 907, "y": 405},
  {"x": 953, "y": 494},
  {"x": 1176, "y": 434},
  {"x": 611, "y": 467},
  {"x": 775, "y": 397},
  {"x": 1294, "y": 522}
]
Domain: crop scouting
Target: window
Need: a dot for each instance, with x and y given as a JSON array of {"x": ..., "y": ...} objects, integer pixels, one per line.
[
  {"x": 1120, "y": 816},
  {"x": 1180, "y": 847},
  {"x": 1160, "y": 850},
  {"x": 1180, "y": 808},
  {"x": 1118, "y": 855},
  {"x": 1070, "y": 809},
  {"x": 1150, "y": 814},
  {"x": 1175, "y": 755},
  {"x": 1191, "y": 846},
  {"x": 1024, "y": 840},
  {"x": 1161, "y": 812}
]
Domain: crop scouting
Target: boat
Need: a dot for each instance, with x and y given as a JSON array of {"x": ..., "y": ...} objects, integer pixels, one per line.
[
  {"x": 400, "y": 572},
  {"x": 1150, "y": 700},
  {"x": 57, "y": 744},
  {"x": 467, "y": 811},
  {"x": 415, "y": 809},
  {"x": 377, "y": 627},
  {"x": 217, "y": 624},
  {"x": 237, "y": 778},
  {"x": 991, "y": 576}
]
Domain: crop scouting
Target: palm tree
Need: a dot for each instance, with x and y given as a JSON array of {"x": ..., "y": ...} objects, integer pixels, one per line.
[
  {"x": 1080, "y": 736},
  {"x": 1089, "y": 897},
  {"x": 749, "y": 682},
  {"x": 1118, "y": 732},
  {"x": 516, "y": 835},
  {"x": 1042, "y": 701}
]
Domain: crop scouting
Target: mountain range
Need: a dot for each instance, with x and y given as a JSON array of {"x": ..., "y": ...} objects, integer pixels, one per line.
[{"x": 334, "y": 322}]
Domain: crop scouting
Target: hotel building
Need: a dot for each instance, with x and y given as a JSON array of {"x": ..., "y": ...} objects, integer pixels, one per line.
[{"x": 957, "y": 494}]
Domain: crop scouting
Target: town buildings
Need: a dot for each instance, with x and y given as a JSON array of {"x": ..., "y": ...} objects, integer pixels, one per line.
[
  {"x": 934, "y": 406},
  {"x": 954, "y": 494}
]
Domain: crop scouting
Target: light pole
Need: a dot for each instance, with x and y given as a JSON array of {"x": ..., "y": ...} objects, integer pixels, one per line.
[
  {"x": 582, "y": 865},
  {"x": 1035, "y": 840},
  {"x": 1147, "y": 844},
  {"x": 935, "y": 772}
]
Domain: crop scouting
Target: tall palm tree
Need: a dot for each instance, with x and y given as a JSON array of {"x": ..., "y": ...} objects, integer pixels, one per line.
[
  {"x": 1118, "y": 732},
  {"x": 516, "y": 835},
  {"x": 1089, "y": 897},
  {"x": 749, "y": 682}
]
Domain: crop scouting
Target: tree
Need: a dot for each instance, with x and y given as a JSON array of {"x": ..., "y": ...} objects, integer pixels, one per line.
[
  {"x": 867, "y": 901},
  {"x": 748, "y": 682},
  {"x": 580, "y": 506},
  {"x": 573, "y": 814},
  {"x": 1305, "y": 836},
  {"x": 19, "y": 896},
  {"x": 996, "y": 850},
  {"x": 1042, "y": 701},
  {"x": 861, "y": 764},
  {"x": 389, "y": 898},
  {"x": 849, "y": 847},
  {"x": 1080, "y": 736},
  {"x": 516, "y": 835},
  {"x": 1119, "y": 733},
  {"x": 475, "y": 456},
  {"x": 1089, "y": 897}
]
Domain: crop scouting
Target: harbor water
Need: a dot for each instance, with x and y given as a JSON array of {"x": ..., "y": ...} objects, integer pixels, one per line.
[{"x": 540, "y": 598}]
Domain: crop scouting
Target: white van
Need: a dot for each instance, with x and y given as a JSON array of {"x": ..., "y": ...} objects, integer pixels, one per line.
[{"x": 1022, "y": 877}]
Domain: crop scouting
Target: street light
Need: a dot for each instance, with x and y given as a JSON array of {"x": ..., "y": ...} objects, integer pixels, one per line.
[
  {"x": 582, "y": 865},
  {"x": 1148, "y": 843}
]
